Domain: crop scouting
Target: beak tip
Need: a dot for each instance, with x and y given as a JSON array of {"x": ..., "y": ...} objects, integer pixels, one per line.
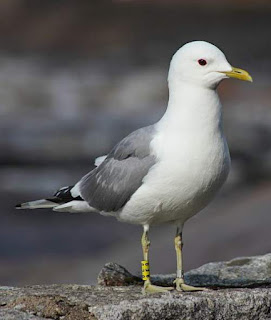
[{"x": 239, "y": 74}]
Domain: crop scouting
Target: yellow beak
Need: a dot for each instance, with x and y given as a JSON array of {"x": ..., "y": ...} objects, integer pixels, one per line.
[{"x": 239, "y": 74}]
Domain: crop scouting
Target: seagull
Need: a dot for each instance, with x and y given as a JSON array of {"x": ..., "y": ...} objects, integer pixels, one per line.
[{"x": 165, "y": 172}]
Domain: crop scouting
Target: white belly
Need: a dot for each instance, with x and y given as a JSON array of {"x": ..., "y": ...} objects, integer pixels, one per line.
[{"x": 180, "y": 185}]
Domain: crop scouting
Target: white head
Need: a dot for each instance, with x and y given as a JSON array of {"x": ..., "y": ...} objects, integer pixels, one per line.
[{"x": 202, "y": 63}]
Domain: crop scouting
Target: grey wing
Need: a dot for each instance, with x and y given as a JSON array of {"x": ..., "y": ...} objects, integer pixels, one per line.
[{"x": 109, "y": 186}]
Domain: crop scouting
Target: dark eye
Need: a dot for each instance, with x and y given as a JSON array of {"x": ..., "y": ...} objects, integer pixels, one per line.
[{"x": 202, "y": 62}]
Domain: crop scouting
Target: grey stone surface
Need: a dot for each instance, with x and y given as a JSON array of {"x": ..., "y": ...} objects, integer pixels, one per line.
[
  {"x": 112, "y": 274},
  {"x": 74, "y": 302},
  {"x": 103, "y": 302},
  {"x": 238, "y": 272},
  {"x": 8, "y": 314}
]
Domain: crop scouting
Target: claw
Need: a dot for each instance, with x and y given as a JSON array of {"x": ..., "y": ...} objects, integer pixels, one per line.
[
  {"x": 151, "y": 288},
  {"x": 181, "y": 286}
]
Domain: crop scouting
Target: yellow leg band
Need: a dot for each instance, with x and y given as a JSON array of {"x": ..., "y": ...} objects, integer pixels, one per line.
[{"x": 145, "y": 270}]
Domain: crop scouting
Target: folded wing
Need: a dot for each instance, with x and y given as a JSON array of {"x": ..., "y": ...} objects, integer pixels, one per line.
[{"x": 110, "y": 185}]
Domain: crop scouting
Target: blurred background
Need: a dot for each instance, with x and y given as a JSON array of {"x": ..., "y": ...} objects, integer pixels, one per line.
[{"x": 77, "y": 76}]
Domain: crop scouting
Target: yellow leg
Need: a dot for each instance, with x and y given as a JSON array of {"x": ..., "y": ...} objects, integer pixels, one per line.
[
  {"x": 148, "y": 287},
  {"x": 179, "y": 281}
]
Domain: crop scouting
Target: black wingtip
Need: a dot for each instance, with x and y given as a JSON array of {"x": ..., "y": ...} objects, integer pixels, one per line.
[{"x": 18, "y": 206}]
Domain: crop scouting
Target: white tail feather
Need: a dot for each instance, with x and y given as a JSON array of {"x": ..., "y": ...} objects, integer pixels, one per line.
[
  {"x": 74, "y": 206},
  {"x": 37, "y": 204},
  {"x": 99, "y": 160}
]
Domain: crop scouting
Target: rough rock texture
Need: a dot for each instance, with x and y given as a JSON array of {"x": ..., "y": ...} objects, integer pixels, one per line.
[
  {"x": 74, "y": 302},
  {"x": 112, "y": 274},
  {"x": 8, "y": 314},
  {"x": 238, "y": 272}
]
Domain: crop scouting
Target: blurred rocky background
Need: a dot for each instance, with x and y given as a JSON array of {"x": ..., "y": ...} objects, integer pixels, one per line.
[{"x": 77, "y": 76}]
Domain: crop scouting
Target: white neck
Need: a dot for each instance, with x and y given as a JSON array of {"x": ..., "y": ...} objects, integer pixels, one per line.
[{"x": 191, "y": 108}]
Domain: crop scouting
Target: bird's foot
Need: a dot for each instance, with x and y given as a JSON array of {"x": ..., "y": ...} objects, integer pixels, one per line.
[
  {"x": 151, "y": 288},
  {"x": 181, "y": 286}
]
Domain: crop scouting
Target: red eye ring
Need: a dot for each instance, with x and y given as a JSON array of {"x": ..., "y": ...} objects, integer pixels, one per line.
[{"x": 202, "y": 62}]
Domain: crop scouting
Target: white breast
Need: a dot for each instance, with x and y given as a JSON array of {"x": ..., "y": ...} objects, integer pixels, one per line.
[
  {"x": 180, "y": 184},
  {"x": 193, "y": 163}
]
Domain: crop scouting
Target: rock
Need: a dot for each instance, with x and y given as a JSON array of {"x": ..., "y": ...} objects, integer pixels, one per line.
[
  {"x": 7, "y": 314},
  {"x": 73, "y": 302},
  {"x": 52, "y": 307},
  {"x": 112, "y": 274},
  {"x": 107, "y": 302},
  {"x": 239, "y": 272}
]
